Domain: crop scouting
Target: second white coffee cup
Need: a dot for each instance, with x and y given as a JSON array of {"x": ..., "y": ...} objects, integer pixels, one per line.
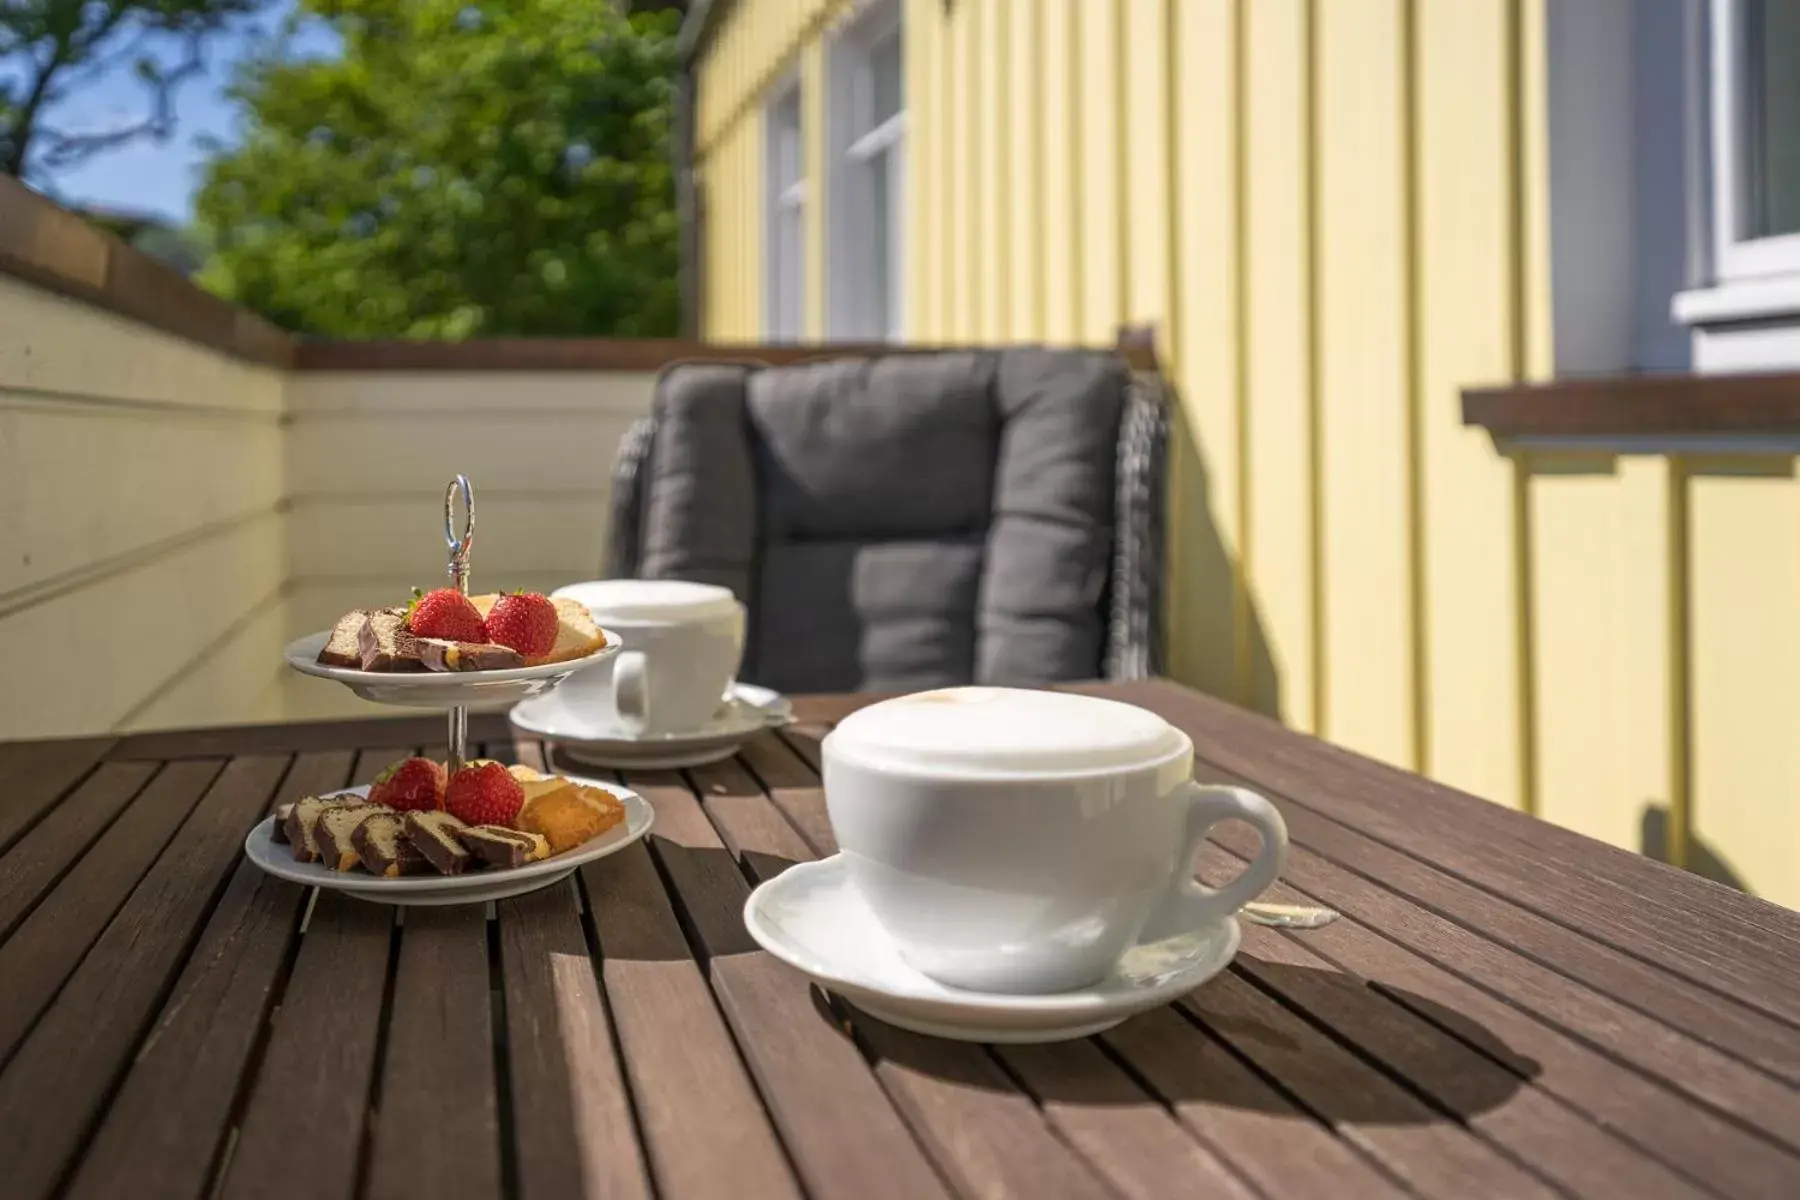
[{"x": 681, "y": 644}]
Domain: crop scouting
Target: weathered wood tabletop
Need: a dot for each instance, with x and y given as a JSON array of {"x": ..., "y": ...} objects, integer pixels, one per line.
[{"x": 1507, "y": 1009}]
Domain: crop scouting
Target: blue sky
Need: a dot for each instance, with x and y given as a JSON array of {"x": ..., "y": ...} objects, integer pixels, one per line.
[{"x": 160, "y": 177}]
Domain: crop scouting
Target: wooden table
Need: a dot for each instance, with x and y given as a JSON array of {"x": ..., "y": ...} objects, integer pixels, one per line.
[{"x": 1508, "y": 1009}]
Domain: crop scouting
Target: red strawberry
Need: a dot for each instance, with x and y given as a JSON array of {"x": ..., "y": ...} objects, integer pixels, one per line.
[
  {"x": 447, "y": 614},
  {"x": 526, "y": 621},
  {"x": 484, "y": 793},
  {"x": 413, "y": 783}
]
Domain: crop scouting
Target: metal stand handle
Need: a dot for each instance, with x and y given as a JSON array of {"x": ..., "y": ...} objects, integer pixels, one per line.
[{"x": 459, "y": 579}]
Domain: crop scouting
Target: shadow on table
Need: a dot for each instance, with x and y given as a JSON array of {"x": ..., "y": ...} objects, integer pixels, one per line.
[{"x": 1228, "y": 1041}]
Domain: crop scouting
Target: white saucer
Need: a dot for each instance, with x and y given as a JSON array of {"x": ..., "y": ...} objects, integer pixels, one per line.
[
  {"x": 474, "y": 887},
  {"x": 812, "y": 918},
  {"x": 744, "y": 712},
  {"x": 440, "y": 689}
]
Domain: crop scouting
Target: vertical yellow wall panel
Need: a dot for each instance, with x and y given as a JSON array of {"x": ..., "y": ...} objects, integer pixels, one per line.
[
  {"x": 1023, "y": 219},
  {"x": 1364, "y": 375},
  {"x": 1467, "y": 332},
  {"x": 813, "y": 91},
  {"x": 992, "y": 159},
  {"x": 1278, "y": 352},
  {"x": 1599, "y": 572},
  {"x": 924, "y": 169},
  {"x": 1203, "y": 456},
  {"x": 1101, "y": 235},
  {"x": 1146, "y": 98},
  {"x": 1061, "y": 102},
  {"x": 960, "y": 95},
  {"x": 1744, "y": 580}
]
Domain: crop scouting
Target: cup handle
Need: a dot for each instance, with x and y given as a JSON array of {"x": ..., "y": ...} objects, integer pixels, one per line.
[
  {"x": 631, "y": 689},
  {"x": 1190, "y": 904}
]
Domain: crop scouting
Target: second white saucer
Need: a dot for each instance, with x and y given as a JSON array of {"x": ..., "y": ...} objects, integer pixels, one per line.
[
  {"x": 812, "y": 918},
  {"x": 745, "y": 712}
]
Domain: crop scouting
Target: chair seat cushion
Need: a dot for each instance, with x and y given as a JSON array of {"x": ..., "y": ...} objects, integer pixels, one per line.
[{"x": 908, "y": 521}]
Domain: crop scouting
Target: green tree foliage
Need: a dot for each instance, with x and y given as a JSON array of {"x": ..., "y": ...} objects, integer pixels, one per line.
[
  {"x": 464, "y": 168},
  {"x": 49, "y": 47}
]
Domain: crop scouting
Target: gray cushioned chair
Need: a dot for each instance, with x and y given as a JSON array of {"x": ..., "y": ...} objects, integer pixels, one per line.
[{"x": 911, "y": 520}]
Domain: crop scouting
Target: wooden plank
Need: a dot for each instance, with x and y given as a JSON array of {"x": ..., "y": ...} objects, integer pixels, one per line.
[
  {"x": 700, "y": 870},
  {"x": 34, "y": 775},
  {"x": 1663, "y": 1124},
  {"x": 1431, "y": 1154},
  {"x": 841, "y": 1131},
  {"x": 1278, "y": 1146},
  {"x": 1499, "y": 1104},
  {"x": 164, "y": 1130},
  {"x": 572, "y": 1125},
  {"x": 354, "y": 734},
  {"x": 1744, "y": 949},
  {"x": 1110, "y": 1121},
  {"x": 1704, "y": 1074},
  {"x": 49, "y": 943},
  {"x": 984, "y": 1133},
  {"x": 703, "y": 1127},
  {"x": 793, "y": 785},
  {"x": 29, "y": 869},
  {"x": 302, "y": 1128},
  {"x": 437, "y": 1123},
  {"x": 56, "y": 1084},
  {"x": 1743, "y": 1032},
  {"x": 752, "y": 828}
]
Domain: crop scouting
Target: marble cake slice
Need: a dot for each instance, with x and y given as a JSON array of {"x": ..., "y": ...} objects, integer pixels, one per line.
[
  {"x": 302, "y": 824},
  {"x": 386, "y": 644},
  {"x": 335, "y": 827},
  {"x": 499, "y": 846},
  {"x": 382, "y": 846}
]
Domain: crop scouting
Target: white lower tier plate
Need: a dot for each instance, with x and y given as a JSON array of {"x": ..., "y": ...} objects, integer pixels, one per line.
[
  {"x": 472, "y": 887},
  {"x": 441, "y": 689},
  {"x": 812, "y": 918},
  {"x": 747, "y": 711}
]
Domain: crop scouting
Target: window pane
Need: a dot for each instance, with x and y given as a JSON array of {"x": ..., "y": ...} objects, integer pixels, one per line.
[
  {"x": 1772, "y": 117},
  {"x": 887, "y": 80}
]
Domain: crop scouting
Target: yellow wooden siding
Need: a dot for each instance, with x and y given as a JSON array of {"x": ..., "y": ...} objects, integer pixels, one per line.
[{"x": 1336, "y": 215}]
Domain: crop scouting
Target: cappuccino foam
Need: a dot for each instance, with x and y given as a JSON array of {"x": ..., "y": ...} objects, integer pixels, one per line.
[{"x": 983, "y": 730}]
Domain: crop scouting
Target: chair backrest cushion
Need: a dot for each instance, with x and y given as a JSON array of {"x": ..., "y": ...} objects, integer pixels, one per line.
[{"x": 913, "y": 520}]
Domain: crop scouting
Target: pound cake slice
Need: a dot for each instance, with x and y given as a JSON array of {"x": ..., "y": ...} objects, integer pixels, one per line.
[
  {"x": 335, "y": 829},
  {"x": 381, "y": 843},
  {"x": 438, "y": 836},
  {"x": 502, "y": 847},
  {"x": 341, "y": 648}
]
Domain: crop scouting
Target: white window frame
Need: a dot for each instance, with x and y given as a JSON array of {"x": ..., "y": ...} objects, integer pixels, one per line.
[
  {"x": 1736, "y": 255},
  {"x": 784, "y": 276},
  {"x": 854, "y": 141}
]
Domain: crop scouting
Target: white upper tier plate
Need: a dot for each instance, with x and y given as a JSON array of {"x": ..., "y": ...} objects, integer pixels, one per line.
[{"x": 441, "y": 689}]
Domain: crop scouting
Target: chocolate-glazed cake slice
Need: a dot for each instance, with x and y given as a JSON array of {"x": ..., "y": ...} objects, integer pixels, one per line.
[
  {"x": 278, "y": 834},
  {"x": 439, "y": 655},
  {"x": 502, "y": 847},
  {"x": 336, "y": 825},
  {"x": 381, "y": 844},
  {"x": 438, "y": 836}
]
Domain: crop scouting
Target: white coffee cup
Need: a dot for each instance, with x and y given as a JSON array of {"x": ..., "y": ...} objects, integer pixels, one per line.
[
  {"x": 1022, "y": 841},
  {"x": 681, "y": 644}
]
